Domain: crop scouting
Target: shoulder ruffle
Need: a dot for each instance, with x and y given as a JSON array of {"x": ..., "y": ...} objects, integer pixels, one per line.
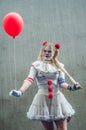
[
  {"x": 36, "y": 63},
  {"x": 41, "y": 66}
]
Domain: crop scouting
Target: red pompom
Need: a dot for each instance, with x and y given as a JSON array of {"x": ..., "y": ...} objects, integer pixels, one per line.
[
  {"x": 50, "y": 89},
  {"x": 49, "y": 82},
  {"x": 44, "y": 43},
  {"x": 50, "y": 95},
  {"x": 57, "y": 45}
]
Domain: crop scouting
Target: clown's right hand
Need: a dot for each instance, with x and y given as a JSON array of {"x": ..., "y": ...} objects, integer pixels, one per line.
[{"x": 15, "y": 93}]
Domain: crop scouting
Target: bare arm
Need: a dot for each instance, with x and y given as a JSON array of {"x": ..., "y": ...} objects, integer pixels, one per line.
[
  {"x": 71, "y": 87},
  {"x": 64, "y": 85},
  {"x": 25, "y": 86}
]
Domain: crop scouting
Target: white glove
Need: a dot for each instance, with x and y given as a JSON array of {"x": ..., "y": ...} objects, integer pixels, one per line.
[{"x": 15, "y": 93}]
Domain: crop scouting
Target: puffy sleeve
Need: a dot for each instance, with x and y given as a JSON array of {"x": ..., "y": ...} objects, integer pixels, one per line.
[{"x": 32, "y": 74}]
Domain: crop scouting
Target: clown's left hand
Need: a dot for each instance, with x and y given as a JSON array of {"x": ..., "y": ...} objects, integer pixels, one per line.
[
  {"x": 77, "y": 86},
  {"x": 74, "y": 87}
]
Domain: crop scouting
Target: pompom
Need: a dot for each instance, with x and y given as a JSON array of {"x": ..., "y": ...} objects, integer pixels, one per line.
[
  {"x": 50, "y": 89},
  {"x": 57, "y": 45},
  {"x": 49, "y": 82},
  {"x": 44, "y": 43},
  {"x": 50, "y": 96}
]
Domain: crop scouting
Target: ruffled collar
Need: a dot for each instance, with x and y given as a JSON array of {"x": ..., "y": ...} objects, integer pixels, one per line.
[{"x": 45, "y": 67}]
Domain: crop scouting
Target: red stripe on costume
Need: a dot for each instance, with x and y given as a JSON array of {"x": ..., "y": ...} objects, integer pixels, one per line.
[
  {"x": 29, "y": 79},
  {"x": 32, "y": 65}
]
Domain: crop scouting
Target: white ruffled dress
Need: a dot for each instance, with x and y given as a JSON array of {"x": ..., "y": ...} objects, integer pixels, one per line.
[{"x": 43, "y": 107}]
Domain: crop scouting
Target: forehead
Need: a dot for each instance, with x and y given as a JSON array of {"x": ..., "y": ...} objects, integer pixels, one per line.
[{"x": 47, "y": 48}]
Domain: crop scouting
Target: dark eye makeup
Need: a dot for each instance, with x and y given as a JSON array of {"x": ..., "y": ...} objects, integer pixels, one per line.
[{"x": 47, "y": 51}]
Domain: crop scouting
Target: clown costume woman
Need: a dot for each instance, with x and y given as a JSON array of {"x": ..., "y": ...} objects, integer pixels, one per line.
[{"x": 49, "y": 104}]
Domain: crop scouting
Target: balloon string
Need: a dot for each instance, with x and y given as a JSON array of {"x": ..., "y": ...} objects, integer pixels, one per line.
[{"x": 14, "y": 64}]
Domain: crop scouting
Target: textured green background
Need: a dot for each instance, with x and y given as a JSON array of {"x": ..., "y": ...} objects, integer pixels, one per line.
[{"x": 61, "y": 21}]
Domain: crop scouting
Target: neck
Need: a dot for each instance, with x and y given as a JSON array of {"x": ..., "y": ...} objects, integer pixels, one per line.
[{"x": 47, "y": 61}]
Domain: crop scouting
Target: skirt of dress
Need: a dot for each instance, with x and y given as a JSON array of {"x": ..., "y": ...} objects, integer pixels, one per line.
[{"x": 44, "y": 108}]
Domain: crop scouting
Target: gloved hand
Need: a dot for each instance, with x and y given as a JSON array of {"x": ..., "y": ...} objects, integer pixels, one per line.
[
  {"x": 74, "y": 87},
  {"x": 15, "y": 93}
]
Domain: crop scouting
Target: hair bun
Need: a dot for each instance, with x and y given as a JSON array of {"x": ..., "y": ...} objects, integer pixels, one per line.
[
  {"x": 57, "y": 45},
  {"x": 44, "y": 43}
]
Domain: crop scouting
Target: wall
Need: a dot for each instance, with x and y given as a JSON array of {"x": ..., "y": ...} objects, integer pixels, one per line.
[{"x": 52, "y": 20}]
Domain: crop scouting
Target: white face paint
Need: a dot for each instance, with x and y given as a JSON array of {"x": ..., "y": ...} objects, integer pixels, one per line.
[{"x": 48, "y": 53}]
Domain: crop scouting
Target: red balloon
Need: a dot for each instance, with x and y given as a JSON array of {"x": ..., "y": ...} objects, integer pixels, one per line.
[{"x": 13, "y": 24}]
